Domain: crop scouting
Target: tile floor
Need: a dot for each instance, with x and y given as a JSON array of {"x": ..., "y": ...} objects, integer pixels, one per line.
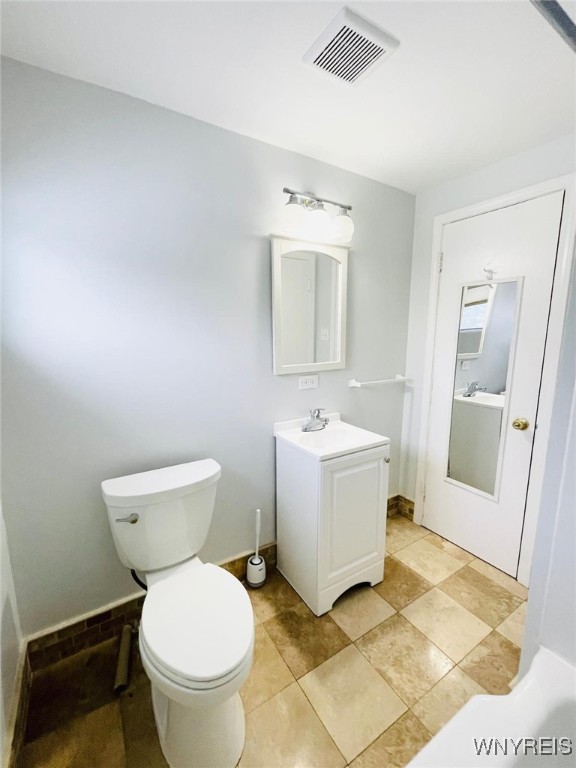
[{"x": 365, "y": 685}]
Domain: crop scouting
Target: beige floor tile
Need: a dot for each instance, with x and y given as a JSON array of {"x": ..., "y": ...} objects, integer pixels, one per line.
[
  {"x": 359, "y": 610},
  {"x": 429, "y": 561},
  {"x": 446, "y": 623},
  {"x": 449, "y": 548},
  {"x": 72, "y": 687},
  {"x": 401, "y": 585},
  {"x": 285, "y": 732},
  {"x": 93, "y": 740},
  {"x": 500, "y": 578},
  {"x": 274, "y": 597},
  {"x": 75, "y": 723},
  {"x": 353, "y": 701},
  {"x": 480, "y": 595},
  {"x": 493, "y": 663},
  {"x": 404, "y": 657},
  {"x": 140, "y": 736},
  {"x": 303, "y": 639},
  {"x": 397, "y": 746},
  {"x": 269, "y": 674},
  {"x": 446, "y": 698},
  {"x": 513, "y": 627},
  {"x": 400, "y": 532}
]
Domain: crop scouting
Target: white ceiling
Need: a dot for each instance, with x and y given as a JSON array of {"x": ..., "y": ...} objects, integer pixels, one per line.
[{"x": 471, "y": 83}]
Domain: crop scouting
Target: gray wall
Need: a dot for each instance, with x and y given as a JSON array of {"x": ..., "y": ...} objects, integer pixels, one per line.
[{"x": 137, "y": 326}]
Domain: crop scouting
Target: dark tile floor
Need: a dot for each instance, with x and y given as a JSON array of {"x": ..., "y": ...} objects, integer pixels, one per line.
[{"x": 76, "y": 720}]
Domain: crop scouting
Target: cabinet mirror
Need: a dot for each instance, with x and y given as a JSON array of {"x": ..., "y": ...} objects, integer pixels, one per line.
[{"x": 308, "y": 306}]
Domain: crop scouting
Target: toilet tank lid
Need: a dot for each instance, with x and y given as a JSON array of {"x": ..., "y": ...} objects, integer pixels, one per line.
[{"x": 160, "y": 484}]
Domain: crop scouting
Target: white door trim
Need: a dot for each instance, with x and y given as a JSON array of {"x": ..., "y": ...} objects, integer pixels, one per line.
[{"x": 566, "y": 247}]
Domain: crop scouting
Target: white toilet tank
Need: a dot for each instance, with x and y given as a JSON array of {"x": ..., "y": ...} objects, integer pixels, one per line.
[{"x": 162, "y": 517}]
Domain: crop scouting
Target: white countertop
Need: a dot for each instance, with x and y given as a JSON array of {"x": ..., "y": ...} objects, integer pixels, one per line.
[
  {"x": 338, "y": 438},
  {"x": 487, "y": 399}
]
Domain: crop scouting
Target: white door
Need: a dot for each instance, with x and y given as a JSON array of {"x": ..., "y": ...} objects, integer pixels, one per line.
[{"x": 479, "y": 444}]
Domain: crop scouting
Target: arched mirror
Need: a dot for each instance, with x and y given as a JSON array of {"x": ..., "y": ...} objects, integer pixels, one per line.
[{"x": 308, "y": 305}]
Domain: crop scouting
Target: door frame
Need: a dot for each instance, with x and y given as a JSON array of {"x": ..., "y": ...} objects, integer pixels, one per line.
[{"x": 561, "y": 284}]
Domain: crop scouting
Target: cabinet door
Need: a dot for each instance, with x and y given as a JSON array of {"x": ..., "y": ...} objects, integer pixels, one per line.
[{"x": 352, "y": 514}]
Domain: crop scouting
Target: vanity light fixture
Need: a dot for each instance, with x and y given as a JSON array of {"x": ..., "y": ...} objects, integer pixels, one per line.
[
  {"x": 344, "y": 226},
  {"x": 305, "y": 215},
  {"x": 294, "y": 214},
  {"x": 319, "y": 222}
]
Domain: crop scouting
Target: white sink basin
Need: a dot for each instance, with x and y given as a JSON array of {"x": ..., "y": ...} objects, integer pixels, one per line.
[
  {"x": 338, "y": 438},
  {"x": 487, "y": 399}
]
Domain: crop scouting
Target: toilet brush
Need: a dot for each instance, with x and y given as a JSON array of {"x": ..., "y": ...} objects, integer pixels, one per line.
[{"x": 256, "y": 570}]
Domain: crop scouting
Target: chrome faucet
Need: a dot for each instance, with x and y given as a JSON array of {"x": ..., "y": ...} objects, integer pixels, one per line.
[
  {"x": 315, "y": 422},
  {"x": 473, "y": 387}
]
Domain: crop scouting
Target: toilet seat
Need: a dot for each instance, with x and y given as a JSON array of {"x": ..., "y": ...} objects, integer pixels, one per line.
[
  {"x": 185, "y": 684},
  {"x": 197, "y": 627}
]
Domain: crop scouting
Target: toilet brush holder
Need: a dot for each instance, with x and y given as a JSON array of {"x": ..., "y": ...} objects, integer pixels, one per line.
[{"x": 256, "y": 571}]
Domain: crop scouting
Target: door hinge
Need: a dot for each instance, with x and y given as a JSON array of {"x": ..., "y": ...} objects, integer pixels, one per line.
[{"x": 440, "y": 261}]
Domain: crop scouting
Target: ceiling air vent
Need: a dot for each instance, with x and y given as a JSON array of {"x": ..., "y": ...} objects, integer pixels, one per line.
[{"x": 350, "y": 47}]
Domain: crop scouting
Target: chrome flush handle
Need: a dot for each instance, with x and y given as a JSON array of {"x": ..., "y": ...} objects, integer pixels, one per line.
[{"x": 133, "y": 519}]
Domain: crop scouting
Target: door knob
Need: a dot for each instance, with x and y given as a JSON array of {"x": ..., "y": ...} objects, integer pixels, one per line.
[{"x": 520, "y": 424}]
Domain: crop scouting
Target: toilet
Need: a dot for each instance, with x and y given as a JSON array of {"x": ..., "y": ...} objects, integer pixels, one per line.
[{"x": 197, "y": 629}]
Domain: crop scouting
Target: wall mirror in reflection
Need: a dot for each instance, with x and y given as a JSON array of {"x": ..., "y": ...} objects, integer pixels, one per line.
[
  {"x": 474, "y": 318},
  {"x": 487, "y": 328},
  {"x": 309, "y": 306}
]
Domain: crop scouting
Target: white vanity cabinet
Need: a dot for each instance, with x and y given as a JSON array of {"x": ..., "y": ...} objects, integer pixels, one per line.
[{"x": 331, "y": 504}]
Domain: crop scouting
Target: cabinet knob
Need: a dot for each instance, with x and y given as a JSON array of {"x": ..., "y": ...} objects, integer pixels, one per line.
[{"x": 387, "y": 460}]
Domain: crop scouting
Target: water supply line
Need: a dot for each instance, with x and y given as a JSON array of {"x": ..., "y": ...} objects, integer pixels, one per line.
[{"x": 138, "y": 580}]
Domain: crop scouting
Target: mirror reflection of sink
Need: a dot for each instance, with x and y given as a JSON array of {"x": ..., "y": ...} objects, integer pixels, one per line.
[
  {"x": 336, "y": 439},
  {"x": 487, "y": 399}
]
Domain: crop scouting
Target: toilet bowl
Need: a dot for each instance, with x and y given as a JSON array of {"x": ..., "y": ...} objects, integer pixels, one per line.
[
  {"x": 196, "y": 644},
  {"x": 197, "y": 629}
]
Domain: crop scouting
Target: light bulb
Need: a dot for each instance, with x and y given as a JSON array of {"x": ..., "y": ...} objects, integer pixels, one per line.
[
  {"x": 319, "y": 223},
  {"x": 343, "y": 226},
  {"x": 293, "y": 216}
]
